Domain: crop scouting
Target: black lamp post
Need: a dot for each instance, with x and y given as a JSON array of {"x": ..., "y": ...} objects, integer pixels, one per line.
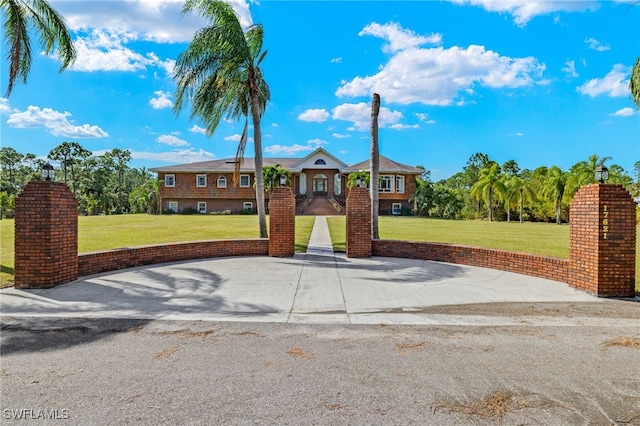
[
  {"x": 602, "y": 174},
  {"x": 47, "y": 171},
  {"x": 283, "y": 180},
  {"x": 358, "y": 181}
]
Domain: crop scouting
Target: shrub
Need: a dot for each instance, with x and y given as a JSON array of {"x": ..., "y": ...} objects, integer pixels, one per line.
[
  {"x": 189, "y": 210},
  {"x": 246, "y": 211},
  {"x": 168, "y": 211}
]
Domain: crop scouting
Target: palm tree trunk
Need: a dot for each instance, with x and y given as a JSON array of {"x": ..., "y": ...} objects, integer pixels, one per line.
[
  {"x": 521, "y": 206},
  {"x": 374, "y": 166},
  {"x": 257, "y": 143},
  {"x": 559, "y": 212},
  {"x": 490, "y": 203}
]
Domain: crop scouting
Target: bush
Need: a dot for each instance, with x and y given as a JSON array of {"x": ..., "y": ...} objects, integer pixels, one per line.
[
  {"x": 168, "y": 211},
  {"x": 246, "y": 211},
  {"x": 406, "y": 211},
  {"x": 189, "y": 210},
  {"x": 223, "y": 212}
]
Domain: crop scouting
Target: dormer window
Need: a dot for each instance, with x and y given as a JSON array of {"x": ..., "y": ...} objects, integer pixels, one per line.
[{"x": 320, "y": 162}]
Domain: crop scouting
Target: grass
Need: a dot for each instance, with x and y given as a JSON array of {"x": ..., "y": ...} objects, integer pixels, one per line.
[{"x": 97, "y": 233}]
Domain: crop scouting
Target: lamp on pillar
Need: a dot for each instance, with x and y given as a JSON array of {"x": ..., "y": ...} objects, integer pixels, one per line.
[
  {"x": 47, "y": 171},
  {"x": 602, "y": 174},
  {"x": 358, "y": 181},
  {"x": 283, "y": 180}
]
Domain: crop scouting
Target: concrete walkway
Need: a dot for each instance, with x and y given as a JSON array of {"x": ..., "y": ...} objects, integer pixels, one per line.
[{"x": 316, "y": 287}]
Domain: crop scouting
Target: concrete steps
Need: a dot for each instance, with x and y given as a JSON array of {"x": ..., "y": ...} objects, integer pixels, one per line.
[{"x": 321, "y": 207}]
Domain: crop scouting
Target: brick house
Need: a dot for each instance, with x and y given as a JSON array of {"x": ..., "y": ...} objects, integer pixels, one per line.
[{"x": 209, "y": 186}]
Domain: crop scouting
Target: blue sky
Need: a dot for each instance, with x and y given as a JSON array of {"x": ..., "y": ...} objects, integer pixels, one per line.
[{"x": 539, "y": 82}]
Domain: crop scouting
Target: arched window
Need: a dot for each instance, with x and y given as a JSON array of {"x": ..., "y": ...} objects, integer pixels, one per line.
[
  {"x": 222, "y": 182},
  {"x": 320, "y": 161}
]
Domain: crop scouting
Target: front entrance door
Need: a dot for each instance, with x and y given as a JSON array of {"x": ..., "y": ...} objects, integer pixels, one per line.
[{"x": 320, "y": 185}]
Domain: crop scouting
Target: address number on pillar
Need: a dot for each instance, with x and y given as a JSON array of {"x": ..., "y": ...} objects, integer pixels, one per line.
[{"x": 605, "y": 221}]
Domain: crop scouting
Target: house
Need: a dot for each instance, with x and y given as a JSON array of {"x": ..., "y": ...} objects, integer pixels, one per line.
[{"x": 318, "y": 178}]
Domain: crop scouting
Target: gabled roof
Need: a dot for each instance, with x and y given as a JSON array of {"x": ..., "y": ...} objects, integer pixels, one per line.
[
  {"x": 226, "y": 165},
  {"x": 314, "y": 153},
  {"x": 386, "y": 166}
]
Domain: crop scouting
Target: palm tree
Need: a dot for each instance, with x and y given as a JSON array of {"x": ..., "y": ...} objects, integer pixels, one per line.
[
  {"x": 517, "y": 186},
  {"x": 374, "y": 166},
  {"x": 272, "y": 175},
  {"x": 554, "y": 187},
  {"x": 489, "y": 184},
  {"x": 19, "y": 17},
  {"x": 220, "y": 74},
  {"x": 634, "y": 83},
  {"x": 583, "y": 173}
]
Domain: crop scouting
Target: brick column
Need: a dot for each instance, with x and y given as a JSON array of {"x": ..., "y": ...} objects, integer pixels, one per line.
[
  {"x": 358, "y": 223},
  {"x": 46, "y": 235},
  {"x": 602, "y": 241},
  {"x": 282, "y": 223}
]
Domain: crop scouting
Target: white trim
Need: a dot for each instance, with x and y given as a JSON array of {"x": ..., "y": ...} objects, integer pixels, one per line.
[
  {"x": 399, "y": 189},
  {"x": 198, "y": 181},
  {"x": 220, "y": 179},
  {"x": 247, "y": 205},
  {"x": 399, "y": 208},
  {"x": 391, "y": 182},
  {"x": 173, "y": 180},
  {"x": 204, "y": 205},
  {"x": 173, "y": 205},
  {"x": 248, "y": 185}
]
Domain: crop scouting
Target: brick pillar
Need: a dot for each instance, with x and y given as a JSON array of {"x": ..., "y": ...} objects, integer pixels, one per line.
[
  {"x": 46, "y": 235},
  {"x": 358, "y": 223},
  {"x": 602, "y": 241},
  {"x": 282, "y": 223}
]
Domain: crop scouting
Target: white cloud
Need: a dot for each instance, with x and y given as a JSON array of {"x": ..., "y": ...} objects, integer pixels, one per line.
[
  {"x": 57, "y": 123},
  {"x": 399, "y": 126},
  {"x": 525, "y": 10},
  {"x": 421, "y": 116},
  {"x": 160, "y": 21},
  {"x": 624, "y": 112},
  {"x": 315, "y": 115},
  {"x": 172, "y": 140},
  {"x": 197, "y": 129},
  {"x": 233, "y": 138},
  {"x": 597, "y": 45},
  {"x": 188, "y": 155},
  {"x": 360, "y": 115},
  {"x": 613, "y": 84},
  {"x": 436, "y": 76},
  {"x": 161, "y": 100},
  {"x": 336, "y": 60},
  {"x": 4, "y": 106},
  {"x": 518, "y": 134},
  {"x": 274, "y": 125},
  {"x": 570, "y": 69},
  {"x": 431, "y": 121},
  {"x": 296, "y": 148},
  {"x": 340, "y": 136},
  {"x": 398, "y": 38},
  {"x": 102, "y": 50}
]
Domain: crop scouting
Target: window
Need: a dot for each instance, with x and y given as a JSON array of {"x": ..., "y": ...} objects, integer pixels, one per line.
[
  {"x": 386, "y": 184},
  {"x": 245, "y": 181},
  {"x": 396, "y": 208},
  {"x": 400, "y": 184},
  {"x": 222, "y": 182},
  {"x": 320, "y": 162},
  {"x": 201, "y": 180},
  {"x": 247, "y": 205},
  {"x": 169, "y": 180},
  {"x": 337, "y": 186},
  {"x": 173, "y": 205},
  {"x": 202, "y": 207}
]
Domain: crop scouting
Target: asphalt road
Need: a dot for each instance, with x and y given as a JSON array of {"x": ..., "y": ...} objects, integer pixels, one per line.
[{"x": 113, "y": 372}]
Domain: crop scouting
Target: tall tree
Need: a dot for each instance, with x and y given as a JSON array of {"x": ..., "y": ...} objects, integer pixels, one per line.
[
  {"x": 10, "y": 161},
  {"x": 488, "y": 185},
  {"x": 634, "y": 83},
  {"x": 554, "y": 187},
  {"x": 374, "y": 166},
  {"x": 19, "y": 17},
  {"x": 220, "y": 74},
  {"x": 521, "y": 189}
]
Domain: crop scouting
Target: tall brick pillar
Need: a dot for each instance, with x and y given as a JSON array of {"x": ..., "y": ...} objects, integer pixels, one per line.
[
  {"x": 602, "y": 241},
  {"x": 46, "y": 235},
  {"x": 282, "y": 223},
  {"x": 358, "y": 223}
]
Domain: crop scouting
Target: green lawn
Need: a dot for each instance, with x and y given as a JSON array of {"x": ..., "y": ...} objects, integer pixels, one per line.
[{"x": 108, "y": 232}]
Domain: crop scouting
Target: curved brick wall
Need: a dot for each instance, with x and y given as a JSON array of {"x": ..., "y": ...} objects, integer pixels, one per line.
[
  {"x": 551, "y": 268},
  {"x": 110, "y": 260}
]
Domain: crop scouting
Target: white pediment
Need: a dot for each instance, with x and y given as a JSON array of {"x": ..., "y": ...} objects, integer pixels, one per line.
[{"x": 319, "y": 159}]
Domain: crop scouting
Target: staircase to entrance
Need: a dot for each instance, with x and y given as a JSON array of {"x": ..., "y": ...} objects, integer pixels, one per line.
[{"x": 321, "y": 206}]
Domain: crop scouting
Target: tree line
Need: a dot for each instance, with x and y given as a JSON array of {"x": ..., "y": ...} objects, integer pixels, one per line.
[
  {"x": 102, "y": 184},
  {"x": 486, "y": 189}
]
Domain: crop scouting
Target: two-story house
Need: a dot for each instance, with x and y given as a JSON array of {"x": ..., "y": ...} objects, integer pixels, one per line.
[{"x": 209, "y": 186}]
